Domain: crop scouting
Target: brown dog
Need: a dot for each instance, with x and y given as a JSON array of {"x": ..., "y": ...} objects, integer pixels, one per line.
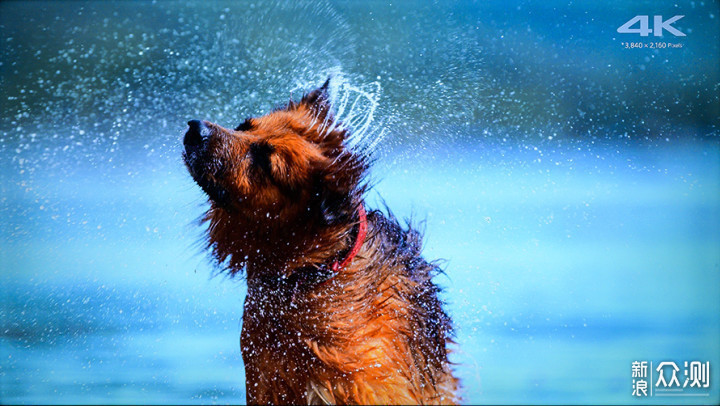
[{"x": 340, "y": 307}]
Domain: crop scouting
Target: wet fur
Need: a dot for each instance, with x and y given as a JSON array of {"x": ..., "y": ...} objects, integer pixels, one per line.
[{"x": 284, "y": 195}]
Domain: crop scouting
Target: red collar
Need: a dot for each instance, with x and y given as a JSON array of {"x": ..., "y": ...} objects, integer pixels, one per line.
[
  {"x": 316, "y": 276},
  {"x": 359, "y": 240}
]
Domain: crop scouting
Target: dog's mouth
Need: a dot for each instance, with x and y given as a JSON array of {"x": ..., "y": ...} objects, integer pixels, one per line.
[
  {"x": 204, "y": 169},
  {"x": 215, "y": 191}
]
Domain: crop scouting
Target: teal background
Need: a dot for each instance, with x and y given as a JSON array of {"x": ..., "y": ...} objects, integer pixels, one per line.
[{"x": 570, "y": 185}]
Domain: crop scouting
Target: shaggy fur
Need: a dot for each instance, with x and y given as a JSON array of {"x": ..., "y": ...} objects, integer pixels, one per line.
[{"x": 284, "y": 195}]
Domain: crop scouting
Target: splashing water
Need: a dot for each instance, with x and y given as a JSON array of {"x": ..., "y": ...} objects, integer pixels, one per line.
[
  {"x": 354, "y": 108},
  {"x": 359, "y": 116}
]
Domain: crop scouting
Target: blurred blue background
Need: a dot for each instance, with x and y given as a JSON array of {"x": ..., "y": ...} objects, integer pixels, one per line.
[{"x": 570, "y": 184}]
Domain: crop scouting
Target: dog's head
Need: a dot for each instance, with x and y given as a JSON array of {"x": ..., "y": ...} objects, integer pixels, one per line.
[{"x": 287, "y": 167}]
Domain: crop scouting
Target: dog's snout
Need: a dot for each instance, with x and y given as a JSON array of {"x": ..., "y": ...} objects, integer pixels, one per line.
[{"x": 196, "y": 135}]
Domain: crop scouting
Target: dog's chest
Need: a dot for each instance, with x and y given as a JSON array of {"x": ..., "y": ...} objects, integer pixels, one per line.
[
  {"x": 278, "y": 323},
  {"x": 275, "y": 346}
]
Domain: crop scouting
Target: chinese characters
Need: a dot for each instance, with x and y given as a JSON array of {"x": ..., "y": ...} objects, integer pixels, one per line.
[{"x": 695, "y": 375}]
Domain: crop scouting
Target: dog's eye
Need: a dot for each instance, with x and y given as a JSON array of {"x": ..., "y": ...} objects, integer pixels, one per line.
[
  {"x": 260, "y": 155},
  {"x": 246, "y": 125}
]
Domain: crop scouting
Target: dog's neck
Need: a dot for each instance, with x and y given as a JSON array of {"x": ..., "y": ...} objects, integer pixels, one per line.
[
  {"x": 362, "y": 226},
  {"x": 271, "y": 254}
]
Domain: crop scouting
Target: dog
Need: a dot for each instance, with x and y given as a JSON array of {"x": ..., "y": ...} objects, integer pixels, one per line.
[{"x": 341, "y": 307}]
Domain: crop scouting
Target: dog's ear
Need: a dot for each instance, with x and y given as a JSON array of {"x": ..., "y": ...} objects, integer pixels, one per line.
[{"x": 318, "y": 100}]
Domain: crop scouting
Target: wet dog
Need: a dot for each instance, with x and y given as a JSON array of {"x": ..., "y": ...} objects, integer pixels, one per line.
[{"x": 341, "y": 307}]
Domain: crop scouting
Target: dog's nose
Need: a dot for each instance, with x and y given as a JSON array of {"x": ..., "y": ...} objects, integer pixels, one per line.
[{"x": 196, "y": 135}]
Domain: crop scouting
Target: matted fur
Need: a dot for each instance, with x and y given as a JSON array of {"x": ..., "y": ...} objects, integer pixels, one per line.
[{"x": 284, "y": 192}]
